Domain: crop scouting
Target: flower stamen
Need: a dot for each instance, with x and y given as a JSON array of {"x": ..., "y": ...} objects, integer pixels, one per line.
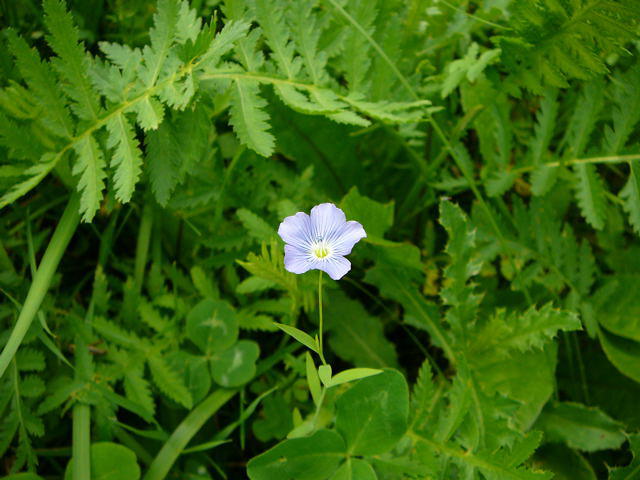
[{"x": 320, "y": 250}]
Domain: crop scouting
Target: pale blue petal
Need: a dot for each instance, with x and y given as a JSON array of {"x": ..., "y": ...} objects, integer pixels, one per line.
[
  {"x": 350, "y": 234},
  {"x": 326, "y": 221},
  {"x": 337, "y": 267},
  {"x": 296, "y": 260},
  {"x": 296, "y": 230}
]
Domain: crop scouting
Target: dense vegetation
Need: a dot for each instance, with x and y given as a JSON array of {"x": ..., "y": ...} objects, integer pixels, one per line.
[{"x": 490, "y": 149}]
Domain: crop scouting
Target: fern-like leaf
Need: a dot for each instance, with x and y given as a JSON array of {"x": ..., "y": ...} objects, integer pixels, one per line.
[
  {"x": 162, "y": 36},
  {"x": 544, "y": 126},
  {"x": 127, "y": 158},
  {"x": 169, "y": 382},
  {"x": 35, "y": 174},
  {"x": 256, "y": 225},
  {"x": 590, "y": 193},
  {"x": 41, "y": 81},
  {"x": 249, "y": 120},
  {"x": 271, "y": 17},
  {"x": 137, "y": 388},
  {"x": 222, "y": 43},
  {"x": 461, "y": 249},
  {"x": 590, "y": 190},
  {"x": 626, "y": 112},
  {"x": 116, "y": 334},
  {"x": 90, "y": 166},
  {"x": 423, "y": 394},
  {"x": 30, "y": 360},
  {"x": 631, "y": 195},
  {"x": 560, "y": 41},
  {"x": 171, "y": 154},
  {"x": 531, "y": 330},
  {"x": 307, "y": 29},
  {"x": 72, "y": 63}
]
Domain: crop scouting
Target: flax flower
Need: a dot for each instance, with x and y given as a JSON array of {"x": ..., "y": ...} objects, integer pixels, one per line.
[{"x": 319, "y": 241}]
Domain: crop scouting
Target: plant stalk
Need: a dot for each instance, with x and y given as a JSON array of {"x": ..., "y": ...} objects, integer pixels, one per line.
[
  {"x": 42, "y": 280},
  {"x": 81, "y": 451},
  {"x": 142, "y": 245},
  {"x": 320, "y": 322}
]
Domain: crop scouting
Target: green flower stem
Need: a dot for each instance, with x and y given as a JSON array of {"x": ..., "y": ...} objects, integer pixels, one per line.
[
  {"x": 142, "y": 245},
  {"x": 320, "y": 344},
  {"x": 81, "y": 450},
  {"x": 181, "y": 436},
  {"x": 42, "y": 279}
]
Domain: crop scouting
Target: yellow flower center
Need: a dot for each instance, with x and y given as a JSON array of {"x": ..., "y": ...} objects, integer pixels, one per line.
[{"x": 320, "y": 249}]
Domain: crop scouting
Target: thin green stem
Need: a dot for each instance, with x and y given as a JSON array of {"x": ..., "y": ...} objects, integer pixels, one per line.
[
  {"x": 42, "y": 280},
  {"x": 142, "y": 245},
  {"x": 581, "y": 369},
  {"x": 320, "y": 326},
  {"x": 81, "y": 449},
  {"x": 81, "y": 446},
  {"x": 577, "y": 161},
  {"x": 475, "y": 17}
]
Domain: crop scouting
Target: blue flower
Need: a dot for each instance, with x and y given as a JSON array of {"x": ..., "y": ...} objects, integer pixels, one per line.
[{"x": 319, "y": 241}]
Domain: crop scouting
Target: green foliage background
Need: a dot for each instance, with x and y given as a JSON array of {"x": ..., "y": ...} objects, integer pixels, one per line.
[{"x": 148, "y": 153}]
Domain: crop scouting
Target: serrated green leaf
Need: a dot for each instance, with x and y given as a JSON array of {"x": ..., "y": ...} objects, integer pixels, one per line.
[
  {"x": 72, "y": 63},
  {"x": 631, "y": 471},
  {"x": 249, "y": 120},
  {"x": 590, "y": 193},
  {"x": 503, "y": 334},
  {"x": 149, "y": 113},
  {"x": 223, "y": 42},
  {"x": 169, "y": 382},
  {"x": 137, "y": 388},
  {"x": 127, "y": 158},
  {"x": 631, "y": 195},
  {"x": 41, "y": 81},
  {"x": 499, "y": 182},
  {"x": 255, "y": 225},
  {"x": 30, "y": 359},
  {"x": 162, "y": 36},
  {"x": 90, "y": 166}
]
